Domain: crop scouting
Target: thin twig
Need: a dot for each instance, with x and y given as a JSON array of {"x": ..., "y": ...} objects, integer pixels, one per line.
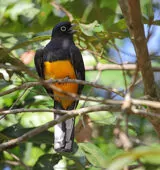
[
  {"x": 123, "y": 70},
  {"x": 18, "y": 160},
  {"x": 88, "y": 109},
  {"x": 61, "y": 8},
  {"x": 132, "y": 85}
]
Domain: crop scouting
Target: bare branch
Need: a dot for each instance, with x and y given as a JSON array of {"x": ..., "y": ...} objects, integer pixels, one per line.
[
  {"x": 132, "y": 13},
  {"x": 99, "y": 67},
  {"x": 67, "y": 115},
  {"x": 44, "y": 127},
  {"x": 60, "y": 7},
  {"x": 53, "y": 81},
  {"x": 113, "y": 108},
  {"x": 21, "y": 87},
  {"x": 110, "y": 105},
  {"x": 19, "y": 161},
  {"x": 144, "y": 113}
]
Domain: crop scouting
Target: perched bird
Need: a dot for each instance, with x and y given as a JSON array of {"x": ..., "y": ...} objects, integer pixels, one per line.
[{"x": 61, "y": 59}]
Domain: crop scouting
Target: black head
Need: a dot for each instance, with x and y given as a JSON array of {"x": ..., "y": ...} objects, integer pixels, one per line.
[{"x": 63, "y": 29}]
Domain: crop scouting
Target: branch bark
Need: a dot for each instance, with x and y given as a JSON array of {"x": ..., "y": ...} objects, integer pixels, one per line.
[
  {"x": 110, "y": 105},
  {"x": 52, "y": 81},
  {"x": 67, "y": 115},
  {"x": 101, "y": 67},
  {"x": 132, "y": 14},
  {"x": 61, "y": 8}
]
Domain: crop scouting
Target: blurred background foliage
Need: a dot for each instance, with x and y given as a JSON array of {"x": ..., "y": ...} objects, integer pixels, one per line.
[{"x": 103, "y": 38}]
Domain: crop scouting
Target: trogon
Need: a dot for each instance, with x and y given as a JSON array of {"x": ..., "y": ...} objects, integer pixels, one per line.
[{"x": 61, "y": 59}]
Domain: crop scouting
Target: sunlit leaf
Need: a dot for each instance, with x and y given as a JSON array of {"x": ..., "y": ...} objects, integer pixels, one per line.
[
  {"x": 19, "y": 8},
  {"x": 33, "y": 154},
  {"x": 145, "y": 154},
  {"x": 109, "y": 4},
  {"x": 46, "y": 9},
  {"x": 94, "y": 155},
  {"x": 103, "y": 118},
  {"x": 118, "y": 26},
  {"x": 89, "y": 29}
]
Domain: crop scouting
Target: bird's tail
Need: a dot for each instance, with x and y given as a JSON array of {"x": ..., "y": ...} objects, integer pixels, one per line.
[{"x": 64, "y": 135}]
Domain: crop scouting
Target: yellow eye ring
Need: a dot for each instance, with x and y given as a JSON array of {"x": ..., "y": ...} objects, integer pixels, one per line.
[{"x": 63, "y": 28}]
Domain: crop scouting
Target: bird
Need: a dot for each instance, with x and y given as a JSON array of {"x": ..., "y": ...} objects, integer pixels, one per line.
[{"x": 62, "y": 59}]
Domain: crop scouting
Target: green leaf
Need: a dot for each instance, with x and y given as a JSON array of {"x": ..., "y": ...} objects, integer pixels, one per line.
[
  {"x": 89, "y": 29},
  {"x": 118, "y": 26},
  {"x": 77, "y": 155},
  {"x": 3, "y": 137},
  {"x": 47, "y": 162},
  {"x": 45, "y": 10},
  {"x": 109, "y": 4},
  {"x": 19, "y": 8},
  {"x": 16, "y": 130},
  {"x": 149, "y": 154},
  {"x": 8, "y": 2},
  {"x": 94, "y": 155},
  {"x": 2, "y": 12},
  {"x": 147, "y": 8},
  {"x": 29, "y": 41},
  {"x": 145, "y": 154},
  {"x": 104, "y": 118},
  {"x": 151, "y": 167},
  {"x": 32, "y": 153},
  {"x": 120, "y": 163}
]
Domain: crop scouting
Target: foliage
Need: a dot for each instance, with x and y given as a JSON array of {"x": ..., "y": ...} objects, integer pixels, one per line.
[{"x": 26, "y": 26}]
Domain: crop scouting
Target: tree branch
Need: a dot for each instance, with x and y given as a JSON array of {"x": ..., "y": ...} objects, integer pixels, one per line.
[
  {"x": 132, "y": 14},
  {"x": 59, "y": 7},
  {"x": 68, "y": 114},
  {"x": 53, "y": 81},
  {"x": 128, "y": 67},
  {"x": 110, "y": 105}
]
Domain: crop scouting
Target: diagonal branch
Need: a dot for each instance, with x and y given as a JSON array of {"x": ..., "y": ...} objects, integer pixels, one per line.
[
  {"x": 44, "y": 127},
  {"x": 61, "y": 8}
]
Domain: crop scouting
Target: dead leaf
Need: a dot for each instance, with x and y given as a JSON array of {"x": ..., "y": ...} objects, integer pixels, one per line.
[
  {"x": 84, "y": 129},
  {"x": 27, "y": 57}
]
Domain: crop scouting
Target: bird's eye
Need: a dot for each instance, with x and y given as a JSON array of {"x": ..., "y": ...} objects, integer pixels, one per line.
[{"x": 63, "y": 28}]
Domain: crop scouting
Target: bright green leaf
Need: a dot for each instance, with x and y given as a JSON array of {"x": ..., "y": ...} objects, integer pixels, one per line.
[
  {"x": 46, "y": 9},
  {"x": 19, "y": 8},
  {"x": 89, "y": 29},
  {"x": 145, "y": 154},
  {"x": 104, "y": 118},
  {"x": 94, "y": 155}
]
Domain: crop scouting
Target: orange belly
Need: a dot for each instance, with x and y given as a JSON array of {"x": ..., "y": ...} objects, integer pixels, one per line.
[{"x": 60, "y": 70}]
